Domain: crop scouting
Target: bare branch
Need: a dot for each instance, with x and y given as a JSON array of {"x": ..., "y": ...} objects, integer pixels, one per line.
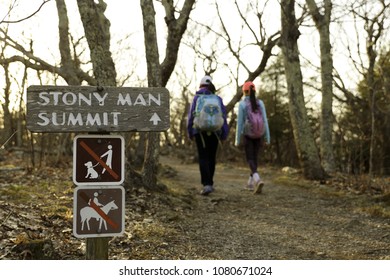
[{"x": 27, "y": 17}]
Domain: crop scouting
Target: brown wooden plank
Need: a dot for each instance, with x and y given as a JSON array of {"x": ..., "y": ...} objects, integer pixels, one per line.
[{"x": 92, "y": 109}]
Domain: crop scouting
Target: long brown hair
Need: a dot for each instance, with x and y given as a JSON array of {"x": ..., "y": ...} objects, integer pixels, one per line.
[{"x": 252, "y": 98}]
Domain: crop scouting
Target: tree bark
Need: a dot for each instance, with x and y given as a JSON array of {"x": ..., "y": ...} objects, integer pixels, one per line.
[
  {"x": 176, "y": 28},
  {"x": 7, "y": 116},
  {"x": 304, "y": 139},
  {"x": 67, "y": 63},
  {"x": 158, "y": 74},
  {"x": 97, "y": 32},
  {"x": 322, "y": 22},
  {"x": 149, "y": 172}
]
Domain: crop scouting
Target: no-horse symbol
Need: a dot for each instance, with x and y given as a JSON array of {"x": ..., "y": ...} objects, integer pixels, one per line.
[{"x": 88, "y": 212}]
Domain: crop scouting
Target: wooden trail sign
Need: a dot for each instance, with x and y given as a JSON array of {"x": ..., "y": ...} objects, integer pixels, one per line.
[{"x": 97, "y": 109}]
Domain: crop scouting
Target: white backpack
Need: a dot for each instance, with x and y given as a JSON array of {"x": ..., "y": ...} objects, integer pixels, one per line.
[{"x": 208, "y": 113}]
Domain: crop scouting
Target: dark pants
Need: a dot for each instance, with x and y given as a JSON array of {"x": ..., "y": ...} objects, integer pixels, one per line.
[
  {"x": 207, "y": 152},
  {"x": 252, "y": 148}
]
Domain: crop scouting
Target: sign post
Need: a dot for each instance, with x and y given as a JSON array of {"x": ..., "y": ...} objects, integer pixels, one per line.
[{"x": 98, "y": 158}]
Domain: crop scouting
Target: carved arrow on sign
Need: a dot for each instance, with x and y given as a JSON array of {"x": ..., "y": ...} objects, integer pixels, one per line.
[{"x": 155, "y": 119}]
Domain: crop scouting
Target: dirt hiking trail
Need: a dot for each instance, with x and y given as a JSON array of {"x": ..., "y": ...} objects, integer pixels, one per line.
[
  {"x": 298, "y": 220},
  {"x": 293, "y": 219}
]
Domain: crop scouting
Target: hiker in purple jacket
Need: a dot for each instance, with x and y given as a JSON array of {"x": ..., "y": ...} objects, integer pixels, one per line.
[{"x": 206, "y": 142}]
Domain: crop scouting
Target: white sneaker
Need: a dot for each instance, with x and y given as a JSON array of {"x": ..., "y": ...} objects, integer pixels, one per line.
[
  {"x": 259, "y": 184},
  {"x": 207, "y": 189},
  {"x": 249, "y": 185},
  {"x": 256, "y": 177},
  {"x": 259, "y": 187}
]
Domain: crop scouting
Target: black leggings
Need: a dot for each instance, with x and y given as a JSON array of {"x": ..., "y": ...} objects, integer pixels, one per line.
[
  {"x": 252, "y": 148},
  {"x": 207, "y": 152}
]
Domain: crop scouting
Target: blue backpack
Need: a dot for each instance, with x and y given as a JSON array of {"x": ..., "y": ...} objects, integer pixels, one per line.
[
  {"x": 208, "y": 115},
  {"x": 254, "y": 122}
]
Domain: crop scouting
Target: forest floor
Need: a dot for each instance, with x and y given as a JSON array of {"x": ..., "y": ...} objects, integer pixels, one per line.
[{"x": 293, "y": 219}]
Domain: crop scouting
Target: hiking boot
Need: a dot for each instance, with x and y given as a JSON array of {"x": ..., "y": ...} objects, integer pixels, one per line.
[
  {"x": 207, "y": 189},
  {"x": 259, "y": 187}
]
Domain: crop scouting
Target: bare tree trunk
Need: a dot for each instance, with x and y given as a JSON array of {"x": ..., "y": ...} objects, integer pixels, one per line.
[
  {"x": 7, "y": 116},
  {"x": 158, "y": 75},
  {"x": 374, "y": 27},
  {"x": 322, "y": 23},
  {"x": 371, "y": 93},
  {"x": 97, "y": 32},
  {"x": 385, "y": 170},
  {"x": 152, "y": 148},
  {"x": 67, "y": 63},
  {"x": 22, "y": 113},
  {"x": 304, "y": 139},
  {"x": 176, "y": 28}
]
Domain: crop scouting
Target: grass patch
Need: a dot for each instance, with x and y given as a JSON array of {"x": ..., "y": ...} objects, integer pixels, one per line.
[
  {"x": 52, "y": 197},
  {"x": 152, "y": 240},
  {"x": 291, "y": 181},
  {"x": 18, "y": 193},
  {"x": 377, "y": 211}
]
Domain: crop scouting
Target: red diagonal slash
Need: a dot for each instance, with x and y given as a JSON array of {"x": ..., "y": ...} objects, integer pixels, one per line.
[
  {"x": 98, "y": 159},
  {"x": 84, "y": 196}
]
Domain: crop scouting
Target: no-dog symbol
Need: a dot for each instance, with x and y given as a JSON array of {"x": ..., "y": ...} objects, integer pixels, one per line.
[{"x": 98, "y": 160}]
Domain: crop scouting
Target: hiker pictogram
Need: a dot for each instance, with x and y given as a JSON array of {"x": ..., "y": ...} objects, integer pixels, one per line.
[
  {"x": 98, "y": 160},
  {"x": 108, "y": 155}
]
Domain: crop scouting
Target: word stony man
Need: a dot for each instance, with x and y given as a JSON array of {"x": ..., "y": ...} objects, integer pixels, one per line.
[{"x": 88, "y": 109}]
